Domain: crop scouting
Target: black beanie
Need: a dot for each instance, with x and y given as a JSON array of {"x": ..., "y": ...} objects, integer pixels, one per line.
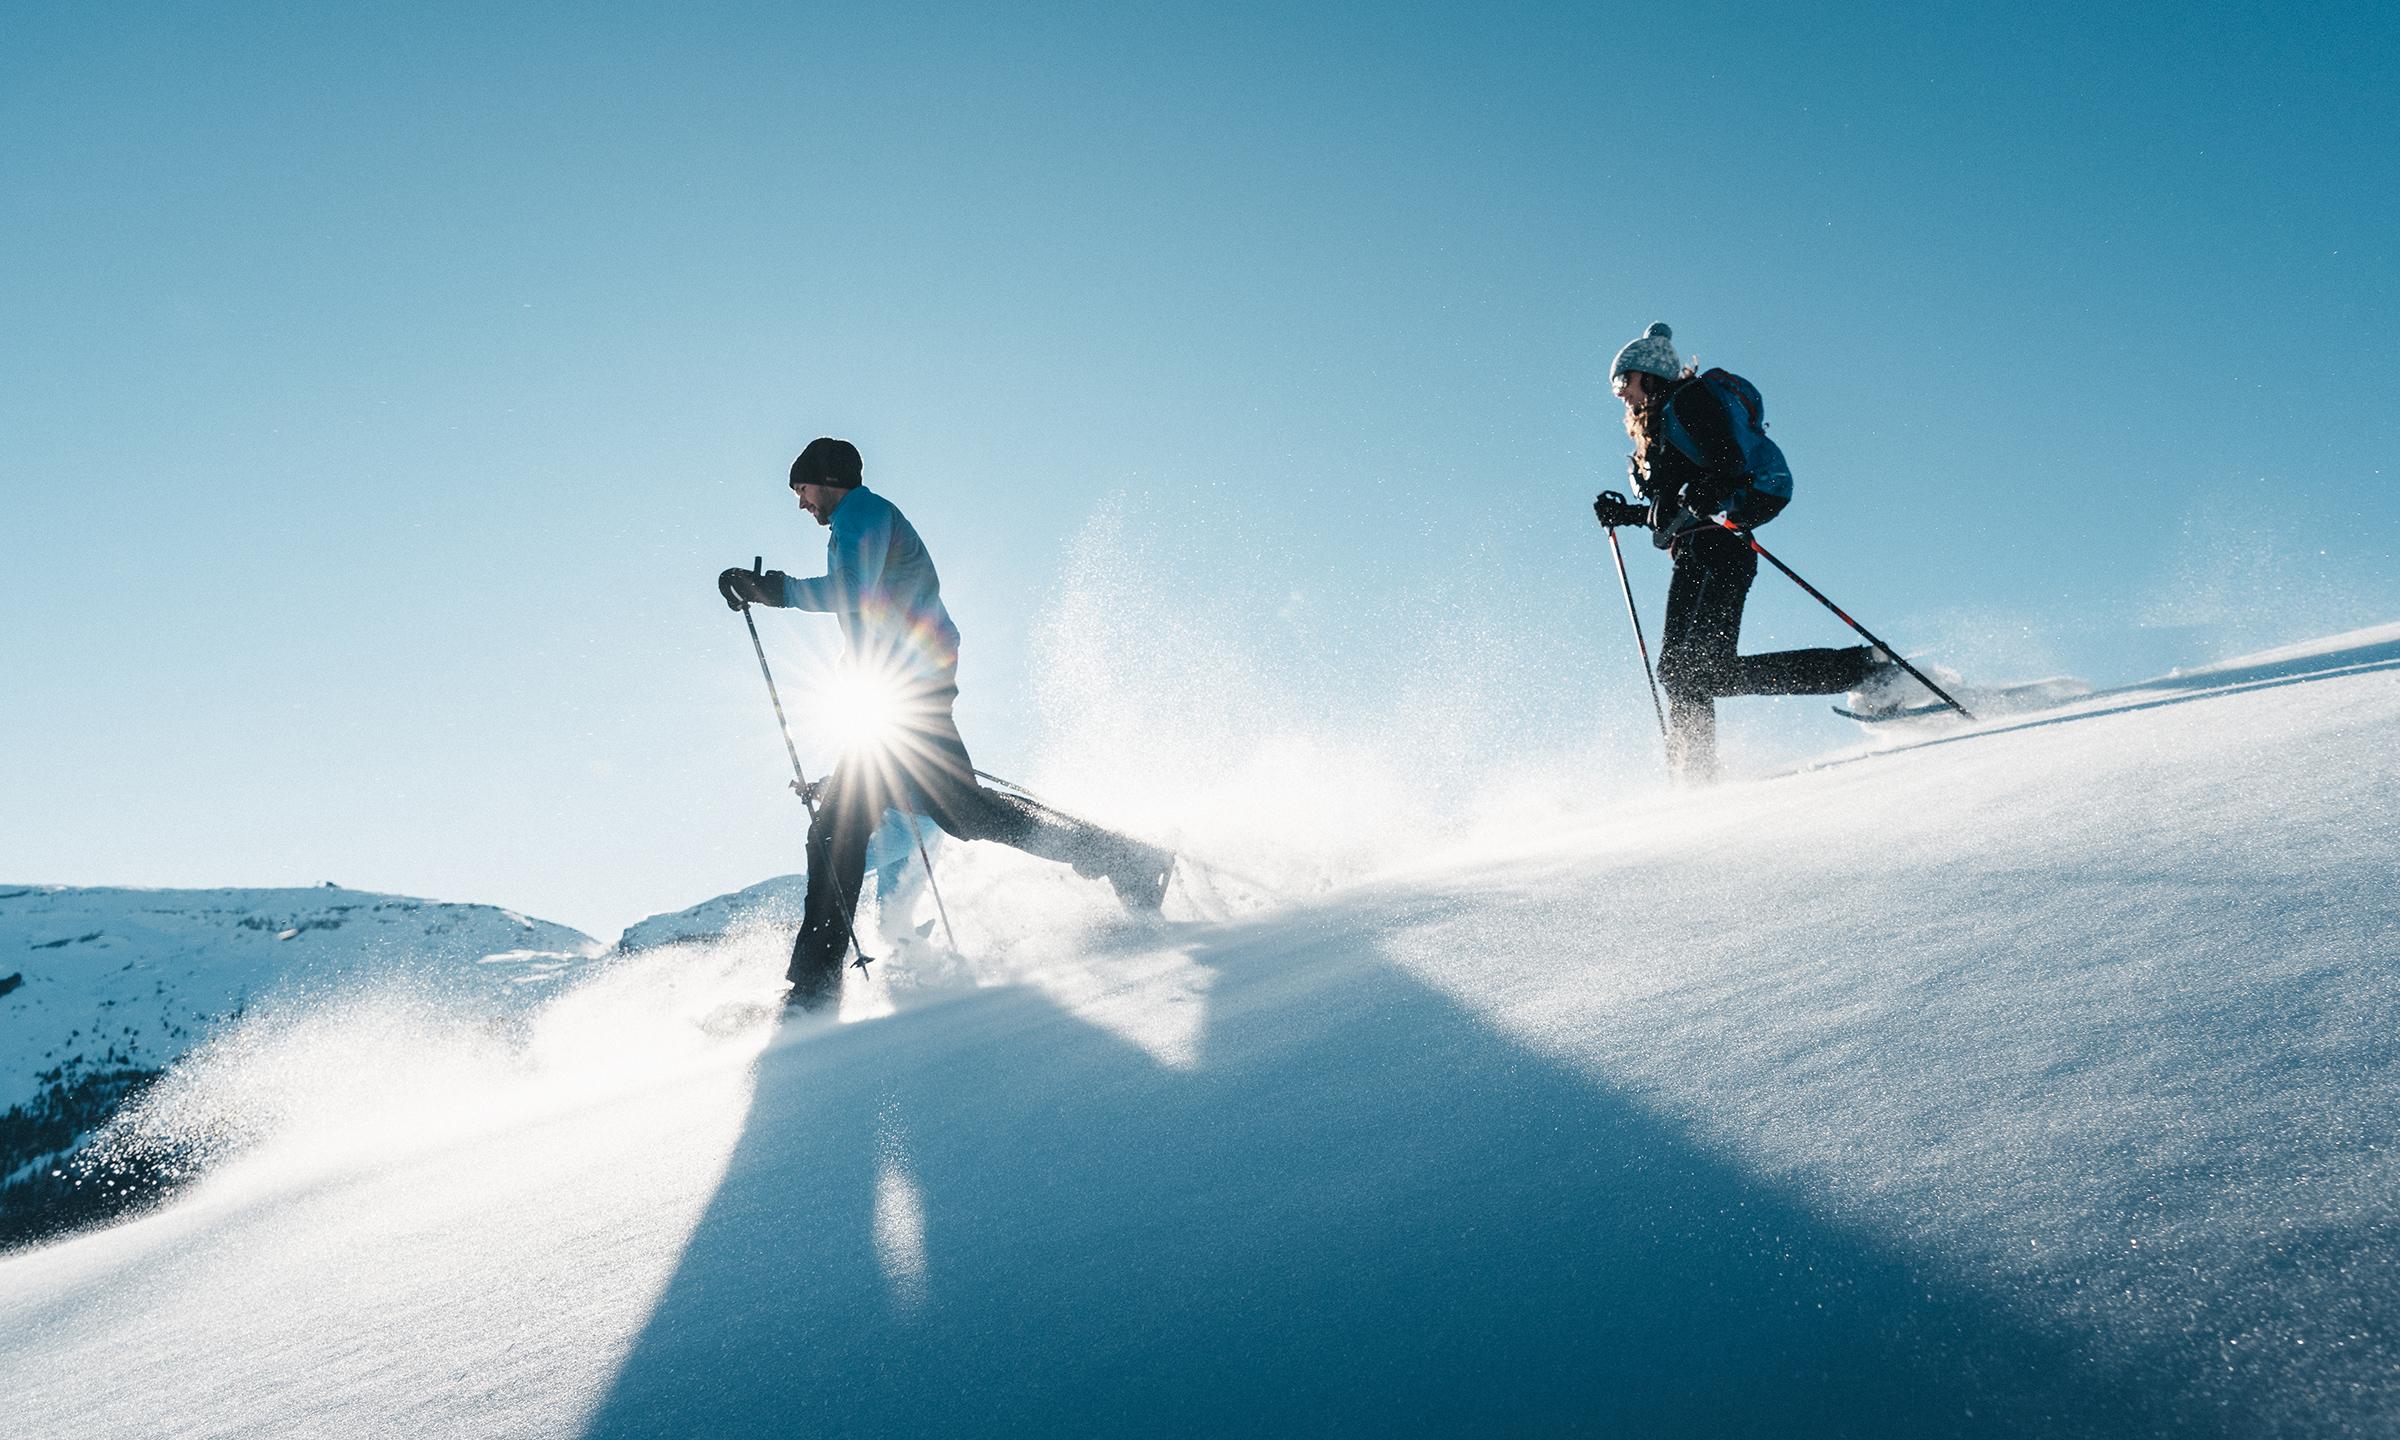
[{"x": 828, "y": 461}]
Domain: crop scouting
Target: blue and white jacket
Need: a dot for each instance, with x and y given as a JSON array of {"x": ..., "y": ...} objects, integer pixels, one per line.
[{"x": 881, "y": 584}]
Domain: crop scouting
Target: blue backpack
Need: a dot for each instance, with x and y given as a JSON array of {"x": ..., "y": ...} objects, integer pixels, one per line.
[{"x": 1767, "y": 483}]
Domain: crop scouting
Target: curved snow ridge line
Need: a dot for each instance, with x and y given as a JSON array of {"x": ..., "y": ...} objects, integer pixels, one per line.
[{"x": 2128, "y": 707}]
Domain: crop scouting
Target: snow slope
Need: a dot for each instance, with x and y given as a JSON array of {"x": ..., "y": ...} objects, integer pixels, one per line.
[
  {"x": 2045, "y": 1083},
  {"x": 2359, "y": 652}
]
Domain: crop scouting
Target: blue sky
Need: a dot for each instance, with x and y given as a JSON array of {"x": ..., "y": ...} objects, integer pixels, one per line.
[{"x": 382, "y": 390}]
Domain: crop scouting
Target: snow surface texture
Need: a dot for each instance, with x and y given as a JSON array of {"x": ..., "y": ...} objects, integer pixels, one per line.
[{"x": 2043, "y": 1084}]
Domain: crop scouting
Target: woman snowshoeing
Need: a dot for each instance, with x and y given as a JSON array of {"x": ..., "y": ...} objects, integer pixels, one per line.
[{"x": 1695, "y": 458}]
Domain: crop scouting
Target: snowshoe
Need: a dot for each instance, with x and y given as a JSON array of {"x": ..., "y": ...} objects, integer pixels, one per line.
[
  {"x": 1890, "y": 692},
  {"x": 1987, "y": 701},
  {"x": 1140, "y": 878}
]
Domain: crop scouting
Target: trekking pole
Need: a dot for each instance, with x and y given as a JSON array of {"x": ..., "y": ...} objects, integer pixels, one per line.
[
  {"x": 934, "y": 885},
  {"x": 1819, "y": 596},
  {"x": 1649, "y": 674},
  {"x": 758, "y": 565}
]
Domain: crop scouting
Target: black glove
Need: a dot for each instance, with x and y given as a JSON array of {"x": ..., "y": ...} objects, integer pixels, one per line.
[
  {"x": 1614, "y": 510},
  {"x": 742, "y": 587},
  {"x": 1664, "y": 533}
]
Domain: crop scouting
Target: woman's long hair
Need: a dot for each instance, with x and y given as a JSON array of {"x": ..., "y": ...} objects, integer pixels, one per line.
[{"x": 1642, "y": 421}]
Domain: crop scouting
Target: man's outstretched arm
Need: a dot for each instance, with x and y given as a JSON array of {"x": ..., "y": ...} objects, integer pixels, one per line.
[{"x": 853, "y": 569}]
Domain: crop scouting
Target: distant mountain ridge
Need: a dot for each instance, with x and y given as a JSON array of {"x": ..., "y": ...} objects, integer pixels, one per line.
[{"x": 769, "y": 902}]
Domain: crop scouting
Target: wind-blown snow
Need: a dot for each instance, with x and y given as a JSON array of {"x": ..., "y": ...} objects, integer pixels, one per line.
[
  {"x": 102, "y": 988},
  {"x": 2042, "y": 1082}
]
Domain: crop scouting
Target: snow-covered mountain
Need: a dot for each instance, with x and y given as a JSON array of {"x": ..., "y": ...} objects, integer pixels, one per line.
[
  {"x": 102, "y": 989},
  {"x": 2037, "y": 1079},
  {"x": 775, "y": 902},
  {"x": 107, "y": 988}
]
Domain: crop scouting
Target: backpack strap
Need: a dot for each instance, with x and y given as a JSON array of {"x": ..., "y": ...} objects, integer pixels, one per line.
[
  {"x": 1725, "y": 382},
  {"x": 1698, "y": 426}
]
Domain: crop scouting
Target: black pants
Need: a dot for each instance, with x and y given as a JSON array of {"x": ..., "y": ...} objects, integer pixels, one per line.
[
  {"x": 1699, "y": 658},
  {"x": 925, "y": 770}
]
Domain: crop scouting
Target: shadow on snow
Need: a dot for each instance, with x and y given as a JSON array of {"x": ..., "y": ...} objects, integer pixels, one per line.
[{"x": 1363, "y": 1212}]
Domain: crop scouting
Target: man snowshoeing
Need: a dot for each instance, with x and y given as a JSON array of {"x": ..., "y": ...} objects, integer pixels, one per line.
[
  {"x": 880, "y": 582},
  {"x": 1690, "y": 465}
]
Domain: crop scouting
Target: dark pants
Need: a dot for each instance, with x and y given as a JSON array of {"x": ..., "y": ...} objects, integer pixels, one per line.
[
  {"x": 1699, "y": 659},
  {"x": 925, "y": 771}
]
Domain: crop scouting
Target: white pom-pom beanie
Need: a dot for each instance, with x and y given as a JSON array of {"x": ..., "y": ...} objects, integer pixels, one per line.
[{"x": 1652, "y": 354}]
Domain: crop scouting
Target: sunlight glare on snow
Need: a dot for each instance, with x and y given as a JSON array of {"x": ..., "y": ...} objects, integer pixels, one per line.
[
  {"x": 372, "y": 1074},
  {"x": 1155, "y": 999},
  {"x": 1029, "y": 922},
  {"x": 899, "y": 1214}
]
